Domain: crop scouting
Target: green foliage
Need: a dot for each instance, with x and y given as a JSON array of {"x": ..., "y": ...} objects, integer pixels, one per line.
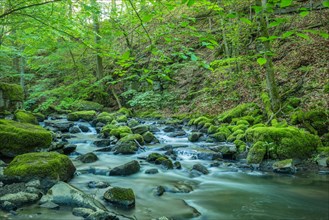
[{"x": 12, "y": 92}]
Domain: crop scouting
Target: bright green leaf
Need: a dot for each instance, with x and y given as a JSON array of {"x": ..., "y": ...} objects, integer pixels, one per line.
[
  {"x": 285, "y": 3},
  {"x": 304, "y": 13},
  {"x": 326, "y": 3},
  {"x": 261, "y": 61},
  {"x": 287, "y": 34},
  {"x": 305, "y": 36},
  {"x": 147, "y": 18},
  {"x": 150, "y": 81},
  {"x": 193, "y": 57},
  {"x": 190, "y": 3},
  {"x": 324, "y": 35},
  {"x": 246, "y": 20}
]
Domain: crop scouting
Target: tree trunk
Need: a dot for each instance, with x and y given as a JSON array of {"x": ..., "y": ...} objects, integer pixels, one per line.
[
  {"x": 22, "y": 72},
  {"x": 270, "y": 78},
  {"x": 99, "y": 60}
]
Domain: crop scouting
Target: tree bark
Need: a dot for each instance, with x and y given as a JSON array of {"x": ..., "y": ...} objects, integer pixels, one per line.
[
  {"x": 270, "y": 78},
  {"x": 99, "y": 59}
]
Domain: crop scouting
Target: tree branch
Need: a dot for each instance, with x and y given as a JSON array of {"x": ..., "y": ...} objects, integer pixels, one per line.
[{"x": 27, "y": 6}]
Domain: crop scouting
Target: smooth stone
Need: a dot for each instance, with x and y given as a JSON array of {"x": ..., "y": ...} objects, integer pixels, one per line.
[
  {"x": 74, "y": 130},
  {"x": 129, "y": 168},
  {"x": 98, "y": 184},
  {"x": 49, "y": 205},
  {"x": 152, "y": 171},
  {"x": 88, "y": 158},
  {"x": 124, "y": 197},
  {"x": 199, "y": 167},
  {"x": 69, "y": 149},
  {"x": 159, "y": 190},
  {"x": 84, "y": 128}
]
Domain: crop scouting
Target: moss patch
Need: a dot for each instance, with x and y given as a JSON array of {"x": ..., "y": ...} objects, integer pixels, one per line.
[
  {"x": 245, "y": 109},
  {"x": 83, "y": 105},
  {"x": 131, "y": 137},
  {"x": 120, "y": 131},
  {"x": 287, "y": 142},
  {"x": 84, "y": 115},
  {"x": 316, "y": 121},
  {"x": 25, "y": 117},
  {"x": 41, "y": 165},
  {"x": 19, "y": 138},
  {"x": 12, "y": 92},
  {"x": 256, "y": 153}
]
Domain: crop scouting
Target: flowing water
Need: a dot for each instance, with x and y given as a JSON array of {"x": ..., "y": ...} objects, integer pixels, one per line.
[{"x": 225, "y": 193}]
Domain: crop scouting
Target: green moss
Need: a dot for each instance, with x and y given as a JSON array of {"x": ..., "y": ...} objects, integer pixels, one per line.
[
  {"x": 167, "y": 163},
  {"x": 40, "y": 117},
  {"x": 83, "y": 105},
  {"x": 281, "y": 124},
  {"x": 212, "y": 129},
  {"x": 315, "y": 121},
  {"x": 130, "y": 137},
  {"x": 149, "y": 114},
  {"x": 243, "y": 122},
  {"x": 108, "y": 128},
  {"x": 240, "y": 145},
  {"x": 240, "y": 127},
  {"x": 267, "y": 104},
  {"x": 241, "y": 110},
  {"x": 201, "y": 121},
  {"x": 326, "y": 88},
  {"x": 122, "y": 194},
  {"x": 173, "y": 122},
  {"x": 148, "y": 137},
  {"x": 12, "y": 92},
  {"x": 25, "y": 117},
  {"x": 122, "y": 118},
  {"x": 154, "y": 156},
  {"x": 282, "y": 164},
  {"x": 41, "y": 165},
  {"x": 125, "y": 111},
  {"x": 18, "y": 138},
  {"x": 84, "y": 115},
  {"x": 225, "y": 130},
  {"x": 250, "y": 119},
  {"x": 256, "y": 153},
  {"x": 220, "y": 136},
  {"x": 120, "y": 131},
  {"x": 294, "y": 102},
  {"x": 288, "y": 142}
]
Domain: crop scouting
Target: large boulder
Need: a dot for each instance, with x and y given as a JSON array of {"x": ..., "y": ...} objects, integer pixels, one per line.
[
  {"x": 285, "y": 142},
  {"x": 84, "y": 115},
  {"x": 123, "y": 197},
  {"x": 194, "y": 136},
  {"x": 132, "y": 137},
  {"x": 88, "y": 157},
  {"x": 41, "y": 165},
  {"x": 120, "y": 131},
  {"x": 65, "y": 194},
  {"x": 257, "y": 153},
  {"x": 126, "y": 169},
  {"x": 128, "y": 147},
  {"x": 19, "y": 138},
  {"x": 149, "y": 137}
]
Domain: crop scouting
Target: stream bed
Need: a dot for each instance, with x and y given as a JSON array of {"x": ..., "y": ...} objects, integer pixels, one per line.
[{"x": 227, "y": 192}]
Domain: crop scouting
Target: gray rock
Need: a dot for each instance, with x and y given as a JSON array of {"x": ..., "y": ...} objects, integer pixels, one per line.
[
  {"x": 152, "y": 171},
  {"x": 194, "y": 136},
  {"x": 84, "y": 128},
  {"x": 88, "y": 158},
  {"x": 140, "y": 129},
  {"x": 133, "y": 123},
  {"x": 33, "y": 183},
  {"x": 98, "y": 184},
  {"x": 169, "y": 129},
  {"x": 82, "y": 212},
  {"x": 129, "y": 168},
  {"x": 129, "y": 147},
  {"x": 59, "y": 125},
  {"x": 69, "y": 148},
  {"x": 102, "y": 143},
  {"x": 102, "y": 215},
  {"x": 20, "y": 198},
  {"x": 65, "y": 194},
  {"x": 7, "y": 206},
  {"x": 177, "y": 165},
  {"x": 199, "y": 167},
  {"x": 159, "y": 190},
  {"x": 177, "y": 134},
  {"x": 123, "y": 197},
  {"x": 74, "y": 130},
  {"x": 49, "y": 205}
]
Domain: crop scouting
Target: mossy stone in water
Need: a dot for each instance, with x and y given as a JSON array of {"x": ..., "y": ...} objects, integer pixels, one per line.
[
  {"x": 148, "y": 137},
  {"x": 256, "y": 153},
  {"x": 25, "y": 117},
  {"x": 50, "y": 165},
  {"x": 131, "y": 137},
  {"x": 84, "y": 115},
  {"x": 19, "y": 138},
  {"x": 123, "y": 197},
  {"x": 120, "y": 131}
]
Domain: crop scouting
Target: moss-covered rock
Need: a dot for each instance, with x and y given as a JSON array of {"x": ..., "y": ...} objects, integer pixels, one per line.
[
  {"x": 125, "y": 111},
  {"x": 256, "y": 153},
  {"x": 241, "y": 110},
  {"x": 241, "y": 146},
  {"x": 104, "y": 117},
  {"x": 201, "y": 121},
  {"x": 83, "y": 105},
  {"x": 123, "y": 197},
  {"x": 140, "y": 129},
  {"x": 84, "y": 115},
  {"x": 11, "y": 96},
  {"x": 315, "y": 121},
  {"x": 284, "y": 166},
  {"x": 40, "y": 117},
  {"x": 131, "y": 137},
  {"x": 120, "y": 131},
  {"x": 122, "y": 118},
  {"x": 288, "y": 142},
  {"x": 212, "y": 129},
  {"x": 25, "y": 117},
  {"x": 19, "y": 138},
  {"x": 165, "y": 162},
  {"x": 41, "y": 165},
  {"x": 127, "y": 147},
  {"x": 133, "y": 123},
  {"x": 148, "y": 137},
  {"x": 194, "y": 136}
]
